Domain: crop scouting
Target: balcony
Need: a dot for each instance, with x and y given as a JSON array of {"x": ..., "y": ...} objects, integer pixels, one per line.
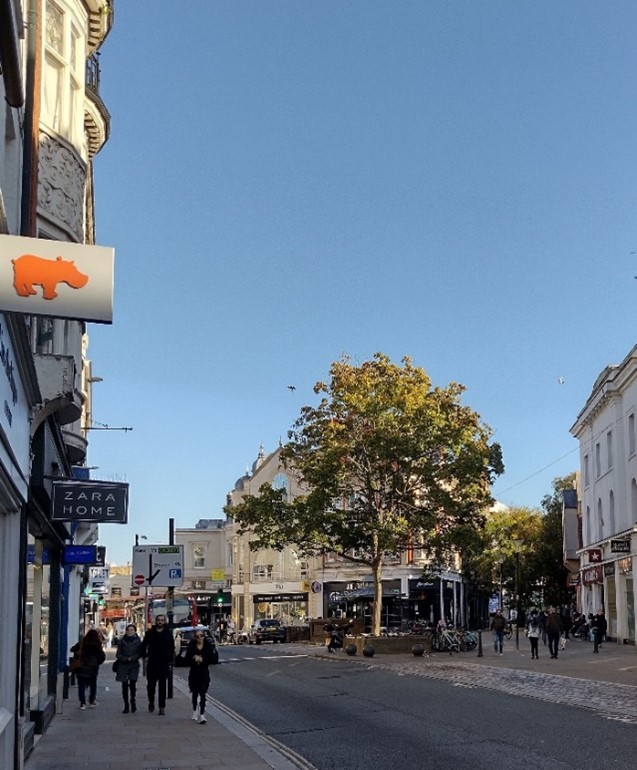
[
  {"x": 60, "y": 396},
  {"x": 97, "y": 120}
]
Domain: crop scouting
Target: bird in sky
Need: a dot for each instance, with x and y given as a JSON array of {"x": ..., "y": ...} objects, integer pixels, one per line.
[
  {"x": 292, "y": 388},
  {"x": 560, "y": 380}
]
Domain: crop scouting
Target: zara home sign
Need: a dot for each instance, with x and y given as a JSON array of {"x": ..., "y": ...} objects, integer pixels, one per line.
[
  {"x": 98, "y": 501},
  {"x": 56, "y": 278}
]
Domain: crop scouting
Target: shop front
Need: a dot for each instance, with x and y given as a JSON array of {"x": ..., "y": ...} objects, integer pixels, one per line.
[
  {"x": 354, "y": 600},
  {"x": 289, "y": 608}
]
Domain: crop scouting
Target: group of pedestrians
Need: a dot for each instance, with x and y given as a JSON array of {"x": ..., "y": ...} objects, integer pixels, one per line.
[
  {"x": 550, "y": 626},
  {"x": 157, "y": 649}
]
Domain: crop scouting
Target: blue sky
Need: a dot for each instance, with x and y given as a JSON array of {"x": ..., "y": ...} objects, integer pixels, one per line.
[{"x": 290, "y": 181}]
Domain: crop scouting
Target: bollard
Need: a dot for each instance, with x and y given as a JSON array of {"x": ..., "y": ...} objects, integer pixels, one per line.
[
  {"x": 480, "y": 653},
  {"x": 595, "y": 642},
  {"x": 65, "y": 682}
]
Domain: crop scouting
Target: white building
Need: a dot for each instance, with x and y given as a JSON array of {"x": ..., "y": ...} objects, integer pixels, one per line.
[{"x": 605, "y": 429}]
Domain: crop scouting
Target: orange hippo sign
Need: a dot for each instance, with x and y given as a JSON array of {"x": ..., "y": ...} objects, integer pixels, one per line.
[
  {"x": 54, "y": 278},
  {"x": 30, "y": 271}
]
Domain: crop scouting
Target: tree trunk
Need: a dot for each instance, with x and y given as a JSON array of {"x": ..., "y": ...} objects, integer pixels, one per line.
[{"x": 377, "y": 569}]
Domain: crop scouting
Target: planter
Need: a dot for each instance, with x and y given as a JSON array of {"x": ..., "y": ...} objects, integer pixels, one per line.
[{"x": 388, "y": 645}]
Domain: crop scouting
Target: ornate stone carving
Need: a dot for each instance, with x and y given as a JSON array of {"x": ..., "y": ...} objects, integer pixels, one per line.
[{"x": 61, "y": 181}]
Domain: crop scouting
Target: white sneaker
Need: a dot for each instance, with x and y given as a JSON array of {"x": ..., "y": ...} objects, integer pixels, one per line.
[
  {"x": 201, "y": 719},
  {"x": 195, "y": 716}
]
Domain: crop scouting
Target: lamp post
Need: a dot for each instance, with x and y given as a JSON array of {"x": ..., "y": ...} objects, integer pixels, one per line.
[{"x": 137, "y": 539}]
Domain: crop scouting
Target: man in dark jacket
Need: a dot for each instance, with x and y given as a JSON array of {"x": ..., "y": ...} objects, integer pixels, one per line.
[
  {"x": 553, "y": 631},
  {"x": 601, "y": 626},
  {"x": 158, "y": 648}
]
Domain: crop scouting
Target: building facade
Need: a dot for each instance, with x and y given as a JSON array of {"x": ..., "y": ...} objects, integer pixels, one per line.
[
  {"x": 54, "y": 123},
  {"x": 282, "y": 584},
  {"x": 607, "y": 504}
]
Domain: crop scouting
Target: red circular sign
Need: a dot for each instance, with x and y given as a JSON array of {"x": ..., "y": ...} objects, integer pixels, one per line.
[{"x": 139, "y": 580}]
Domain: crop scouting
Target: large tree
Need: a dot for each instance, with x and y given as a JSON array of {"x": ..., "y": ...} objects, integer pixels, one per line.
[{"x": 387, "y": 461}]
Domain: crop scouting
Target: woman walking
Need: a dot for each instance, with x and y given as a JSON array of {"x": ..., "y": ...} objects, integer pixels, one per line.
[
  {"x": 199, "y": 655},
  {"x": 90, "y": 655},
  {"x": 129, "y": 651},
  {"x": 533, "y": 631}
]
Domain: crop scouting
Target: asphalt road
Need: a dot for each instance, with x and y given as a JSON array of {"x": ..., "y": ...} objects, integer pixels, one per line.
[{"x": 347, "y": 715}]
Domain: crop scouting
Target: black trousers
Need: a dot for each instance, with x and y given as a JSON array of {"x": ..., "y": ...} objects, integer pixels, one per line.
[
  {"x": 157, "y": 679},
  {"x": 554, "y": 643}
]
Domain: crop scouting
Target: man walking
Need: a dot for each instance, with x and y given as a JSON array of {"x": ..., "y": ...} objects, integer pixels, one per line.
[
  {"x": 553, "y": 631},
  {"x": 158, "y": 648},
  {"x": 498, "y": 624}
]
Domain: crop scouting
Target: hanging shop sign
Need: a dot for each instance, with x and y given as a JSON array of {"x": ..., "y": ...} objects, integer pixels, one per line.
[
  {"x": 620, "y": 546},
  {"x": 98, "y": 501},
  {"x": 572, "y": 579},
  {"x": 594, "y": 555},
  {"x": 56, "y": 278},
  {"x": 592, "y": 575},
  {"x": 609, "y": 569}
]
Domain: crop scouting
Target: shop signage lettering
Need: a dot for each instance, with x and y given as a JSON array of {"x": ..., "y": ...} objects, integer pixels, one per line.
[
  {"x": 96, "y": 501},
  {"x": 620, "y": 546},
  {"x": 298, "y": 597},
  {"x": 592, "y": 575},
  {"x": 572, "y": 579}
]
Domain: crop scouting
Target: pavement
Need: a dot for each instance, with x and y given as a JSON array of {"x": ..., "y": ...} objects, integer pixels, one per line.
[{"x": 105, "y": 739}]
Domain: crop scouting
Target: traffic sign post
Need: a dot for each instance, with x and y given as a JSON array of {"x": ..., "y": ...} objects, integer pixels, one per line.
[{"x": 158, "y": 565}]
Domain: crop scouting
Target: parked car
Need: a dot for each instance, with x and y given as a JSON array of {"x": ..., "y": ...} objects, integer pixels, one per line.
[
  {"x": 183, "y": 635},
  {"x": 269, "y": 630}
]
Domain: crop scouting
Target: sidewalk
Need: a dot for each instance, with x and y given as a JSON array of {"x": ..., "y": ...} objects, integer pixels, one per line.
[{"x": 103, "y": 738}]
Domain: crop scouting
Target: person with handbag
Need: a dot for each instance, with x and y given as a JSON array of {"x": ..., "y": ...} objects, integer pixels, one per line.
[
  {"x": 126, "y": 666},
  {"x": 88, "y": 656},
  {"x": 199, "y": 656}
]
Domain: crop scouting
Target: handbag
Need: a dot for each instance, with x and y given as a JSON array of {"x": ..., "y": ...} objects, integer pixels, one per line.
[
  {"x": 115, "y": 666},
  {"x": 76, "y": 661}
]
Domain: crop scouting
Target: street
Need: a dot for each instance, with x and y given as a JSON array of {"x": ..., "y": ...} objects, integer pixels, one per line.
[{"x": 342, "y": 713}]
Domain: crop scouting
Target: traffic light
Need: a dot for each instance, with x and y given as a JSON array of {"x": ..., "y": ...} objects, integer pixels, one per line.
[
  {"x": 220, "y": 596},
  {"x": 87, "y": 606}
]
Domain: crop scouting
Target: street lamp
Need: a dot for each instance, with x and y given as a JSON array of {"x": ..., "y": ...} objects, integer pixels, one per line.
[
  {"x": 517, "y": 544},
  {"x": 138, "y": 538}
]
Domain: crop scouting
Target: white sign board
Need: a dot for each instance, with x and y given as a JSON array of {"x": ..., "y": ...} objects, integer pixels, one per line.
[
  {"x": 98, "y": 580},
  {"x": 56, "y": 278},
  {"x": 158, "y": 565}
]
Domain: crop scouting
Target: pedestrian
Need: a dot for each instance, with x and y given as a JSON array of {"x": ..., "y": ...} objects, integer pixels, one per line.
[
  {"x": 533, "y": 631},
  {"x": 158, "y": 648},
  {"x": 89, "y": 656},
  {"x": 498, "y": 625},
  {"x": 199, "y": 656},
  {"x": 553, "y": 632},
  {"x": 127, "y": 657},
  {"x": 601, "y": 627},
  {"x": 231, "y": 631}
]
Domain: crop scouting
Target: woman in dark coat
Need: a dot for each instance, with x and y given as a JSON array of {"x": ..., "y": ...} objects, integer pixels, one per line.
[
  {"x": 199, "y": 656},
  {"x": 91, "y": 655},
  {"x": 129, "y": 650}
]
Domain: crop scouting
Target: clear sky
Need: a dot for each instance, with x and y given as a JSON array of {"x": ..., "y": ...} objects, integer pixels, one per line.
[{"x": 289, "y": 181}]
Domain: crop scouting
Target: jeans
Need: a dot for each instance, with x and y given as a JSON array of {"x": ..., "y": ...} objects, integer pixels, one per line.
[
  {"x": 498, "y": 640},
  {"x": 82, "y": 683},
  {"x": 534, "y": 645}
]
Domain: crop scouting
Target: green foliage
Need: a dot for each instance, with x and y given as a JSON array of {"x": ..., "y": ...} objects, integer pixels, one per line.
[{"x": 387, "y": 460}]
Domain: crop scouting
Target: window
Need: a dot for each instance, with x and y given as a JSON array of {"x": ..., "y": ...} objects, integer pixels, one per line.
[
  {"x": 586, "y": 471},
  {"x": 611, "y": 513},
  {"x": 600, "y": 519},
  {"x": 305, "y": 569},
  {"x": 280, "y": 481},
  {"x": 609, "y": 448},
  {"x": 631, "y": 434},
  {"x": 598, "y": 461},
  {"x": 62, "y": 108},
  {"x": 262, "y": 572},
  {"x": 198, "y": 557}
]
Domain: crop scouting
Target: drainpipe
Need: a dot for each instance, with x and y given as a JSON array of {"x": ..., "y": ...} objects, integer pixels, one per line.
[
  {"x": 29, "y": 201},
  {"x": 10, "y": 56}
]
